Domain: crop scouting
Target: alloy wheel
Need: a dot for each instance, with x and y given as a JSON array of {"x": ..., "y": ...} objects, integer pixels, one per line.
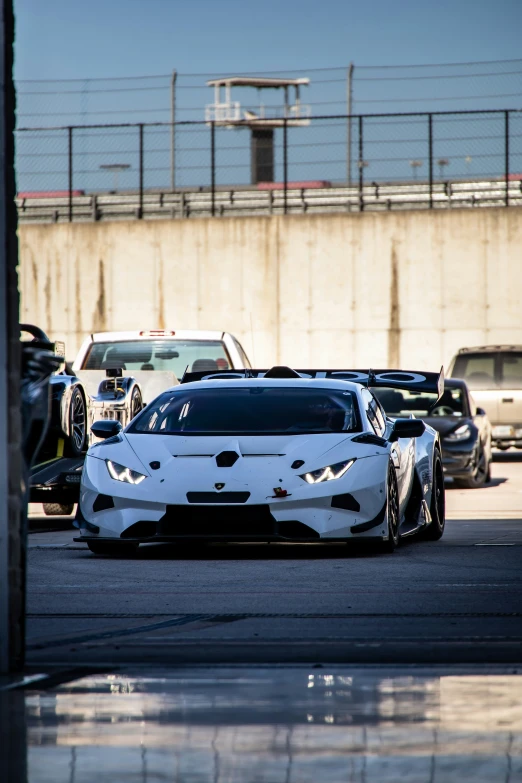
[{"x": 78, "y": 422}]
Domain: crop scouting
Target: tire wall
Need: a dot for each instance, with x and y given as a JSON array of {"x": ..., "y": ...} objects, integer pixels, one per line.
[{"x": 374, "y": 289}]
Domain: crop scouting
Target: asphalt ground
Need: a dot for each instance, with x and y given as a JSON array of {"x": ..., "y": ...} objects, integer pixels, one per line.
[{"x": 458, "y": 600}]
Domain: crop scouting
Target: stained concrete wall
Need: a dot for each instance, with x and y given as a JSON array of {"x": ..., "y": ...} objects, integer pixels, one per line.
[{"x": 382, "y": 289}]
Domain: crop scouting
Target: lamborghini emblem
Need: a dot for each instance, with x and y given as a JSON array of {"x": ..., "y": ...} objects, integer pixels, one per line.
[{"x": 219, "y": 486}]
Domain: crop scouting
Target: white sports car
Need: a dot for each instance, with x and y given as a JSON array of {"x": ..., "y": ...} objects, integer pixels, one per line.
[{"x": 256, "y": 455}]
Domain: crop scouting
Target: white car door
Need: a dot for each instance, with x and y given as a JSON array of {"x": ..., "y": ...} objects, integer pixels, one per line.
[{"x": 402, "y": 452}]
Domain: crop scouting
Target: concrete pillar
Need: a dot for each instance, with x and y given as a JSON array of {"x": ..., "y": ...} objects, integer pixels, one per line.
[
  {"x": 12, "y": 511},
  {"x": 262, "y": 155}
]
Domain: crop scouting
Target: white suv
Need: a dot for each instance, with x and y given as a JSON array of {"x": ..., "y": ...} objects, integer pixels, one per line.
[
  {"x": 158, "y": 358},
  {"x": 494, "y": 374}
]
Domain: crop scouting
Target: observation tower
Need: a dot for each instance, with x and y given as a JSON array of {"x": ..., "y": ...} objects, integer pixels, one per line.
[{"x": 228, "y": 113}]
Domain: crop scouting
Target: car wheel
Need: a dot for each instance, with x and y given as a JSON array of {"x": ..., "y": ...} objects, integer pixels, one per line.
[
  {"x": 113, "y": 548},
  {"x": 58, "y": 509},
  {"x": 136, "y": 405},
  {"x": 392, "y": 512},
  {"x": 76, "y": 442},
  {"x": 479, "y": 475},
  {"x": 438, "y": 503}
]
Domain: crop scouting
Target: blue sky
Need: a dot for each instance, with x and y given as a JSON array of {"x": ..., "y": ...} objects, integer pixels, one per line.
[
  {"x": 108, "y": 39},
  {"x": 77, "y": 39}
]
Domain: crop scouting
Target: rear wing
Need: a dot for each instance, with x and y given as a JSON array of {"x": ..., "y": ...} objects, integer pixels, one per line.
[{"x": 432, "y": 382}]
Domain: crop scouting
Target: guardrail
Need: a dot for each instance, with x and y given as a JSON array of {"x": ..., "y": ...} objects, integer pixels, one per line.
[{"x": 204, "y": 203}]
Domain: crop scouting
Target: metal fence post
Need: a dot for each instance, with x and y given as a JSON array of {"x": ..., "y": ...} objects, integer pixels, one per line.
[
  {"x": 140, "y": 209},
  {"x": 173, "y": 130},
  {"x": 360, "y": 163},
  {"x": 349, "y": 105},
  {"x": 430, "y": 154},
  {"x": 506, "y": 155},
  {"x": 213, "y": 167},
  {"x": 285, "y": 164},
  {"x": 70, "y": 171}
]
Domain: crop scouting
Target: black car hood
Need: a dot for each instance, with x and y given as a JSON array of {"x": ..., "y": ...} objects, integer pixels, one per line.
[{"x": 446, "y": 424}]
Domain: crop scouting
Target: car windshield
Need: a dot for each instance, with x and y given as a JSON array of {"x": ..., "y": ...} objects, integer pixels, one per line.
[
  {"x": 477, "y": 369},
  {"x": 255, "y": 410},
  {"x": 491, "y": 370},
  {"x": 511, "y": 370},
  {"x": 166, "y": 355},
  {"x": 422, "y": 404}
]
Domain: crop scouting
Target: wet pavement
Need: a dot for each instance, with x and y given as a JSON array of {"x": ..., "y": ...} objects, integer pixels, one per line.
[
  {"x": 269, "y": 725},
  {"x": 157, "y": 697}
]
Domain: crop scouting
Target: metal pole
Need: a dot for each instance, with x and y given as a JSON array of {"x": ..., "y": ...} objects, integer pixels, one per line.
[
  {"x": 430, "y": 154},
  {"x": 12, "y": 506},
  {"x": 140, "y": 210},
  {"x": 361, "y": 164},
  {"x": 213, "y": 167},
  {"x": 506, "y": 155},
  {"x": 285, "y": 164},
  {"x": 5, "y": 511},
  {"x": 173, "y": 130},
  {"x": 349, "y": 101},
  {"x": 70, "y": 171}
]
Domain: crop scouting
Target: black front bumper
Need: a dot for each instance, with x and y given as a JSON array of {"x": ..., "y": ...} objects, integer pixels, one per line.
[{"x": 57, "y": 481}]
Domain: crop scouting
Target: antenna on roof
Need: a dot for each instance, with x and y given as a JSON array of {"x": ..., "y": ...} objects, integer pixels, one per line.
[
  {"x": 186, "y": 371},
  {"x": 371, "y": 378}
]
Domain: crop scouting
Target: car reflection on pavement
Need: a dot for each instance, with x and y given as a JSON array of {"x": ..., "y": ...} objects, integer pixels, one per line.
[{"x": 277, "y": 724}]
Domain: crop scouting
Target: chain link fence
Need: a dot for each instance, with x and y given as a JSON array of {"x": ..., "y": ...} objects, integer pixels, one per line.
[{"x": 345, "y": 162}]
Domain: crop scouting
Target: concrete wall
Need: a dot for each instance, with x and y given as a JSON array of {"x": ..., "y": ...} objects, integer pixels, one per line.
[{"x": 382, "y": 289}]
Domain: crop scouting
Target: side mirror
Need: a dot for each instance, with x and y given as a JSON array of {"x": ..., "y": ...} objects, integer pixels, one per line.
[
  {"x": 106, "y": 428},
  {"x": 407, "y": 428},
  {"x": 480, "y": 412},
  {"x": 114, "y": 372}
]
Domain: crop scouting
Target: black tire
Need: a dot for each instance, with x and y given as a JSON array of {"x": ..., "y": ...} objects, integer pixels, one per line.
[
  {"x": 58, "y": 509},
  {"x": 76, "y": 441},
  {"x": 438, "y": 503},
  {"x": 136, "y": 404},
  {"x": 113, "y": 548},
  {"x": 479, "y": 476},
  {"x": 392, "y": 512}
]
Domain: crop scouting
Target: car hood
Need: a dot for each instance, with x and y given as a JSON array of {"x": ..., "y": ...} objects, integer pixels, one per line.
[{"x": 137, "y": 451}]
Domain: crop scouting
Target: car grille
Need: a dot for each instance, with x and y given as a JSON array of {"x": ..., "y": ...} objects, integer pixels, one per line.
[
  {"x": 222, "y": 520},
  {"x": 234, "y": 521}
]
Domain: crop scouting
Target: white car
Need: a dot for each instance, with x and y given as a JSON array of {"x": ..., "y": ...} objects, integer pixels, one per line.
[
  {"x": 278, "y": 455},
  {"x": 156, "y": 358}
]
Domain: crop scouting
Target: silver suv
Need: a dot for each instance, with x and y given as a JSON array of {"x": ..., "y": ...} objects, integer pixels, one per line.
[{"x": 494, "y": 374}]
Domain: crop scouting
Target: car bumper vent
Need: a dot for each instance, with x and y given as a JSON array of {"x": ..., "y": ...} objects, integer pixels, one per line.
[
  {"x": 346, "y": 502},
  {"x": 102, "y": 503},
  {"x": 141, "y": 530},
  {"x": 296, "y": 531},
  {"x": 218, "y": 497},
  {"x": 241, "y": 522}
]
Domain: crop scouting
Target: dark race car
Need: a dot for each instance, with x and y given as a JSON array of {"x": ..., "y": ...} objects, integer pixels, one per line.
[
  {"x": 464, "y": 428},
  {"x": 60, "y": 418}
]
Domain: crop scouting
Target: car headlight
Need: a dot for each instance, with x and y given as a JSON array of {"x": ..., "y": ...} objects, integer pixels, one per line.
[
  {"x": 328, "y": 473},
  {"x": 461, "y": 433},
  {"x": 121, "y": 473}
]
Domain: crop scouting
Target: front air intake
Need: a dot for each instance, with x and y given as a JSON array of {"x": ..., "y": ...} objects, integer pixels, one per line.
[
  {"x": 226, "y": 459},
  {"x": 102, "y": 503},
  {"x": 141, "y": 530}
]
